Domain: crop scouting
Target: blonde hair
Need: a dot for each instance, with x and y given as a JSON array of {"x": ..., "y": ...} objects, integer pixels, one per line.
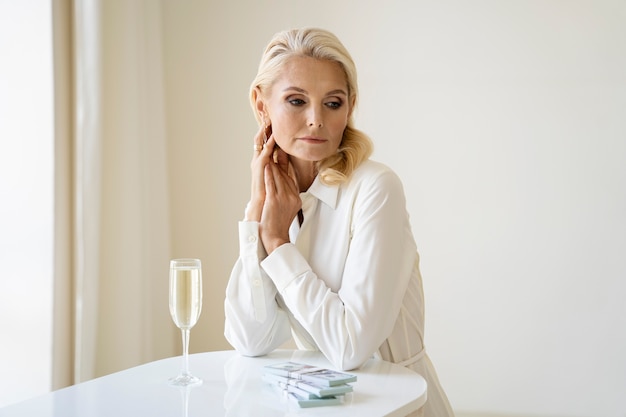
[{"x": 355, "y": 146}]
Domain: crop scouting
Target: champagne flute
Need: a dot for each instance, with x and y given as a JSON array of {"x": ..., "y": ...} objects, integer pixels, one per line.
[{"x": 185, "y": 307}]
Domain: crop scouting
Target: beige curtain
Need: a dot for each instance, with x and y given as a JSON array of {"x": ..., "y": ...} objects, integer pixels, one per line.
[{"x": 111, "y": 190}]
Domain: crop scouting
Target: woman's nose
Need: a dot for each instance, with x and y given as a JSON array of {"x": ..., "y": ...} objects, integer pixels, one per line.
[
  {"x": 315, "y": 122},
  {"x": 315, "y": 118}
]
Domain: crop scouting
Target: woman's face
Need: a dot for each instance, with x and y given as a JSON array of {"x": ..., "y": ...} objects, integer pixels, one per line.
[{"x": 308, "y": 107}]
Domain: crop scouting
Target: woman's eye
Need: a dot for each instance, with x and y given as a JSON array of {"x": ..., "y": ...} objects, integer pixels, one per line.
[
  {"x": 334, "y": 104},
  {"x": 296, "y": 101}
]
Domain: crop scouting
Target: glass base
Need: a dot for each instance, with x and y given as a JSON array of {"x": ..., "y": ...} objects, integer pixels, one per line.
[{"x": 185, "y": 381}]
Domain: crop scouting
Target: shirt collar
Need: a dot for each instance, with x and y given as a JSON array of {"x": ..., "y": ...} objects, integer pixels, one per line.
[{"x": 326, "y": 193}]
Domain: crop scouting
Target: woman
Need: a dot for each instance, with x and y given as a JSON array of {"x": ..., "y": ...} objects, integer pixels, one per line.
[{"x": 326, "y": 249}]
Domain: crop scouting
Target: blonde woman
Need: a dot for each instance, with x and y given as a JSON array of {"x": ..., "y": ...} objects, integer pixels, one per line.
[{"x": 327, "y": 253}]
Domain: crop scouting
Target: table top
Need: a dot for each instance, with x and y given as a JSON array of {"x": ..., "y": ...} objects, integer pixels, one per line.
[{"x": 232, "y": 386}]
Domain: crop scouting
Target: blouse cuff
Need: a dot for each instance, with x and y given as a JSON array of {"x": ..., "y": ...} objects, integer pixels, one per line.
[
  {"x": 249, "y": 242},
  {"x": 284, "y": 265},
  {"x": 250, "y": 251}
]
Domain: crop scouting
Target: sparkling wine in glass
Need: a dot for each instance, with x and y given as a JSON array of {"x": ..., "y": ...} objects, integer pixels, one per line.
[{"x": 185, "y": 307}]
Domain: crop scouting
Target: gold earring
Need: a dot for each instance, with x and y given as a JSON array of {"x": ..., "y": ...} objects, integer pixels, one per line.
[{"x": 265, "y": 126}]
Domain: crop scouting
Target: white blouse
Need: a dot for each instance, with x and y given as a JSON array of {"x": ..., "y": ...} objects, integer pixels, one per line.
[{"x": 348, "y": 284}]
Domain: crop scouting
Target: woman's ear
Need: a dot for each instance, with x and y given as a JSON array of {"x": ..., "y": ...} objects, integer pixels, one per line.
[{"x": 259, "y": 104}]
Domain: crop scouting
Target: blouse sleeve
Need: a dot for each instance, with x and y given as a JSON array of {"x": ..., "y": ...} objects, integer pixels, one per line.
[
  {"x": 254, "y": 324},
  {"x": 350, "y": 325}
]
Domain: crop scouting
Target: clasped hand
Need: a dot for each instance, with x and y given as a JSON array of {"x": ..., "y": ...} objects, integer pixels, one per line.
[{"x": 275, "y": 197}]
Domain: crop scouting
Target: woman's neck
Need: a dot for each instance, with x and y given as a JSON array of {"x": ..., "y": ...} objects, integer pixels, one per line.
[{"x": 305, "y": 172}]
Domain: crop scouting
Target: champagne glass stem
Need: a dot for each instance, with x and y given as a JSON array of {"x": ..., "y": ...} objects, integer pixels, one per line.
[
  {"x": 185, "y": 394},
  {"x": 185, "y": 333}
]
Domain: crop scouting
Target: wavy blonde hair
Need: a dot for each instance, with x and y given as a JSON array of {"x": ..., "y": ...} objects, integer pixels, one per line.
[{"x": 355, "y": 146}]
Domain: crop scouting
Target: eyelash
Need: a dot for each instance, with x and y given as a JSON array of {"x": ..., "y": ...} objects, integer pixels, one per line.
[{"x": 331, "y": 104}]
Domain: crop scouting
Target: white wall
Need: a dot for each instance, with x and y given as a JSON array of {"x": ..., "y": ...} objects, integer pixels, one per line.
[
  {"x": 26, "y": 202},
  {"x": 507, "y": 122}
]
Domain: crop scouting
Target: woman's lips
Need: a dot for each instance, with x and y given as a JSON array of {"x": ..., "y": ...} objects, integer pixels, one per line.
[{"x": 311, "y": 139}]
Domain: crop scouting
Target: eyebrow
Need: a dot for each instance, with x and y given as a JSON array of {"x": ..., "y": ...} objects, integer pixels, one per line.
[{"x": 330, "y": 93}]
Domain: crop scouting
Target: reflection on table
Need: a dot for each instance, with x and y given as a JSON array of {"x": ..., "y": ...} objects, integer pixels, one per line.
[{"x": 232, "y": 386}]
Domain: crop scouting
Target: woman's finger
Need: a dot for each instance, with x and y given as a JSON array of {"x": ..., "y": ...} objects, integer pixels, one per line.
[
  {"x": 259, "y": 140},
  {"x": 282, "y": 159},
  {"x": 260, "y": 158},
  {"x": 277, "y": 179},
  {"x": 269, "y": 181}
]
